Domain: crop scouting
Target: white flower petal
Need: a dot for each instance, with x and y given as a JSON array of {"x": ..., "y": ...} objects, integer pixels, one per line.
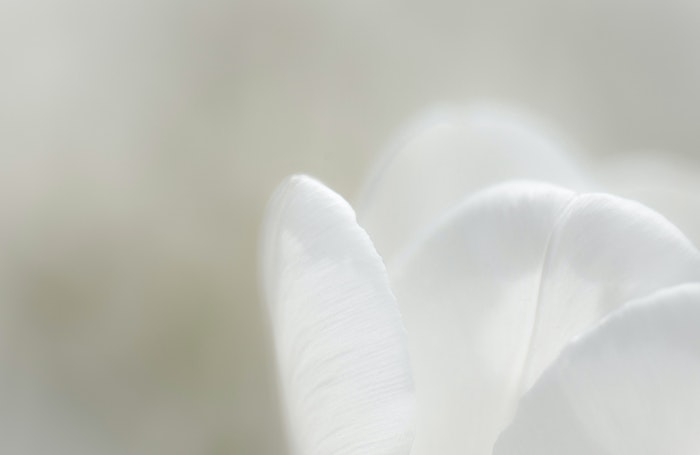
[
  {"x": 670, "y": 186},
  {"x": 631, "y": 386},
  {"x": 492, "y": 295},
  {"x": 447, "y": 156},
  {"x": 342, "y": 353}
]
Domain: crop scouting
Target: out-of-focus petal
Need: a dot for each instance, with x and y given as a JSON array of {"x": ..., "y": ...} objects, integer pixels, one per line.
[
  {"x": 345, "y": 376},
  {"x": 497, "y": 289},
  {"x": 631, "y": 386},
  {"x": 447, "y": 155}
]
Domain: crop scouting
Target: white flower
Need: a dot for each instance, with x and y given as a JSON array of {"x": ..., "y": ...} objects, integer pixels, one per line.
[{"x": 505, "y": 296}]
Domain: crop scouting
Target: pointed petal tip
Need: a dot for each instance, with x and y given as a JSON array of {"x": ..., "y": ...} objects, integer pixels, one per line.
[
  {"x": 295, "y": 182},
  {"x": 304, "y": 192},
  {"x": 295, "y": 185}
]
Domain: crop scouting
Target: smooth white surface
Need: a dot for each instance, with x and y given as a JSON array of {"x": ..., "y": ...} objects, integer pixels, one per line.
[
  {"x": 670, "y": 186},
  {"x": 499, "y": 287},
  {"x": 449, "y": 154},
  {"x": 631, "y": 386},
  {"x": 341, "y": 347}
]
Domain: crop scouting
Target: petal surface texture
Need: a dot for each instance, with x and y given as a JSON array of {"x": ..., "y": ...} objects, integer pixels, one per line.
[
  {"x": 345, "y": 378},
  {"x": 631, "y": 386},
  {"x": 497, "y": 289},
  {"x": 448, "y": 155}
]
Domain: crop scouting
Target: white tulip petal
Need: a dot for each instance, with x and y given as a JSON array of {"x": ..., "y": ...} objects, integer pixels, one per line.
[
  {"x": 447, "y": 156},
  {"x": 670, "y": 186},
  {"x": 345, "y": 375},
  {"x": 494, "y": 293},
  {"x": 631, "y": 386}
]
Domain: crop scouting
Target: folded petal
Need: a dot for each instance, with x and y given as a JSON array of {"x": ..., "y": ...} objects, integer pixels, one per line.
[
  {"x": 345, "y": 379},
  {"x": 631, "y": 386},
  {"x": 448, "y": 155},
  {"x": 496, "y": 290}
]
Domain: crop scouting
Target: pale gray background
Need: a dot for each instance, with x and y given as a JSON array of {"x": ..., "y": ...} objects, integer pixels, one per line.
[{"x": 139, "y": 141}]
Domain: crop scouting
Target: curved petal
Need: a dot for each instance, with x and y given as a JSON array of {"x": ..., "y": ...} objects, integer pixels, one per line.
[
  {"x": 670, "y": 186},
  {"x": 448, "y": 155},
  {"x": 345, "y": 377},
  {"x": 492, "y": 295},
  {"x": 631, "y": 386}
]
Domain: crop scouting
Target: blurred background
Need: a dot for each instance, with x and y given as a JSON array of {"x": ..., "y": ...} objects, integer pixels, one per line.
[{"x": 140, "y": 140}]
